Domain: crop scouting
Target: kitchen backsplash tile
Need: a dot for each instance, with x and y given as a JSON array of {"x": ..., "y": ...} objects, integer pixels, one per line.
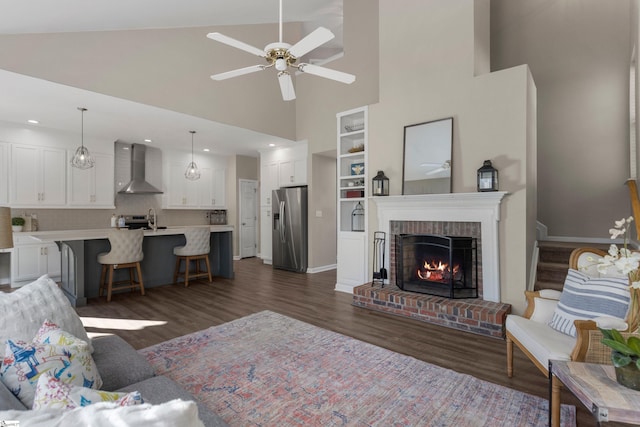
[{"x": 83, "y": 219}]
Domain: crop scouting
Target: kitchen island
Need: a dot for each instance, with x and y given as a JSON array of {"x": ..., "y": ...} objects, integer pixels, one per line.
[{"x": 79, "y": 249}]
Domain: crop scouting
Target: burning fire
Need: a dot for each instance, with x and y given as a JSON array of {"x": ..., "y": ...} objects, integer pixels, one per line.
[{"x": 436, "y": 271}]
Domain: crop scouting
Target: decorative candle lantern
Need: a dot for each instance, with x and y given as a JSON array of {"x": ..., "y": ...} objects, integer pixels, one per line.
[
  {"x": 487, "y": 177},
  {"x": 357, "y": 218},
  {"x": 380, "y": 185}
]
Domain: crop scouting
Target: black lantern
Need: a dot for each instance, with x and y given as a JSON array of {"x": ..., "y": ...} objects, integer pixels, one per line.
[
  {"x": 487, "y": 177},
  {"x": 380, "y": 185},
  {"x": 357, "y": 218}
]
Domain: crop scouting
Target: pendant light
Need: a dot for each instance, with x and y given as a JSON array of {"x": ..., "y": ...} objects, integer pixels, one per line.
[
  {"x": 192, "y": 173},
  {"x": 82, "y": 159}
]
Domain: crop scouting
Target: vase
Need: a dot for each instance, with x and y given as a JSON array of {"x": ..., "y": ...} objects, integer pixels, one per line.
[
  {"x": 16, "y": 228},
  {"x": 629, "y": 375}
]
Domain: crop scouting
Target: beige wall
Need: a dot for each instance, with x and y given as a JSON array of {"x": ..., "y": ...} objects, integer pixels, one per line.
[
  {"x": 578, "y": 53},
  {"x": 323, "y": 211}
]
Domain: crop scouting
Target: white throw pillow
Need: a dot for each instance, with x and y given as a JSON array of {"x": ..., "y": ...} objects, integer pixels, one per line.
[
  {"x": 170, "y": 414},
  {"x": 584, "y": 298},
  {"x": 22, "y": 312}
]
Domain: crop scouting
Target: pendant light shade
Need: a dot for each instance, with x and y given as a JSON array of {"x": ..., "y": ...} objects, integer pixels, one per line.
[
  {"x": 192, "y": 173},
  {"x": 82, "y": 159}
]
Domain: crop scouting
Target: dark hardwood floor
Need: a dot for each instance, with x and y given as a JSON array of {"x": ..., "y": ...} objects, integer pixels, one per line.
[{"x": 169, "y": 311}]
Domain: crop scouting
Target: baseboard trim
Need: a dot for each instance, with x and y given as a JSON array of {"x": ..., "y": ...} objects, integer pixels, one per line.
[
  {"x": 344, "y": 288},
  {"x": 322, "y": 268}
]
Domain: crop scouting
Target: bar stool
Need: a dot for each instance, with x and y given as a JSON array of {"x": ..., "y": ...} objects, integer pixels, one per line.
[
  {"x": 126, "y": 252},
  {"x": 196, "y": 249}
]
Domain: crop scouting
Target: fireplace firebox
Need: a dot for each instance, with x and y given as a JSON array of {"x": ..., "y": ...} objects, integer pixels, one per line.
[{"x": 445, "y": 266}]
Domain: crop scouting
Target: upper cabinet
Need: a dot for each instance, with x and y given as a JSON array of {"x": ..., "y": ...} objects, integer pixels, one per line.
[
  {"x": 92, "y": 188},
  {"x": 4, "y": 173},
  {"x": 284, "y": 167},
  {"x": 208, "y": 192},
  {"x": 38, "y": 176}
]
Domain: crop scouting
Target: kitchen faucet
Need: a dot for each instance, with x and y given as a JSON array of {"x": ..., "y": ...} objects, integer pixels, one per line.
[{"x": 152, "y": 222}]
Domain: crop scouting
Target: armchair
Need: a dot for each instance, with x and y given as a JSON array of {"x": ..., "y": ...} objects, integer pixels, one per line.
[{"x": 540, "y": 342}]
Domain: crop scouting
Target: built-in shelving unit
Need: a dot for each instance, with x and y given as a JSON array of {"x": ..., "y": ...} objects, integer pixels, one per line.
[{"x": 353, "y": 188}]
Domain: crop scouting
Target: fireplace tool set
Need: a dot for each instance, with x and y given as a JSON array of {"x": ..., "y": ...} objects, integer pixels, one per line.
[{"x": 379, "y": 271}]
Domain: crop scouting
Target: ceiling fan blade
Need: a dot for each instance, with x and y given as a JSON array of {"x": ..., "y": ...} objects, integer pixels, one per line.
[
  {"x": 327, "y": 73},
  {"x": 236, "y": 43},
  {"x": 238, "y": 72},
  {"x": 286, "y": 86},
  {"x": 317, "y": 38}
]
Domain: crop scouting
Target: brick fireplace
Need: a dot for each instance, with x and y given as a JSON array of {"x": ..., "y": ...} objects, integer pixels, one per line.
[{"x": 473, "y": 215}]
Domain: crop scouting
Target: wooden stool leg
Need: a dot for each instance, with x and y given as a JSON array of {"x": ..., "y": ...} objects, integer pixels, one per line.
[
  {"x": 140, "y": 278},
  {"x": 110, "y": 284},
  {"x": 177, "y": 269},
  {"x": 187, "y": 267},
  {"x": 103, "y": 275},
  {"x": 206, "y": 261}
]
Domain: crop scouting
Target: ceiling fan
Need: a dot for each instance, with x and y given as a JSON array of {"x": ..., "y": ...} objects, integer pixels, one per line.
[{"x": 281, "y": 56}]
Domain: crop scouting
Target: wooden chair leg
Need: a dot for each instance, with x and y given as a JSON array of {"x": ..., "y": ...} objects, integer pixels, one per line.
[
  {"x": 140, "y": 278},
  {"x": 206, "y": 261},
  {"x": 132, "y": 279},
  {"x": 110, "y": 284},
  {"x": 509, "y": 357}
]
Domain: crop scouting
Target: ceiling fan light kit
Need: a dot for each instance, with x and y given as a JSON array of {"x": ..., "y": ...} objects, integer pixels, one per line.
[
  {"x": 82, "y": 159},
  {"x": 281, "y": 56}
]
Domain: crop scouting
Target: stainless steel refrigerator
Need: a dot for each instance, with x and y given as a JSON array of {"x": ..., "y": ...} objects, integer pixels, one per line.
[{"x": 289, "y": 242}]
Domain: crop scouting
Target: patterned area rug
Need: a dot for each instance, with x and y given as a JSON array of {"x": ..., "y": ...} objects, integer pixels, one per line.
[{"x": 270, "y": 370}]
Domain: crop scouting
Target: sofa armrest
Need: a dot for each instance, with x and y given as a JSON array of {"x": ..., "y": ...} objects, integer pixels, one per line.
[
  {"x": 541, "y": 305},
  {"x": 118, "y": 363}
]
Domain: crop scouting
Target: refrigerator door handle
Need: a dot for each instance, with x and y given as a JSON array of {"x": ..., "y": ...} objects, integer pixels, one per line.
[{"x": 281, "y": 223}]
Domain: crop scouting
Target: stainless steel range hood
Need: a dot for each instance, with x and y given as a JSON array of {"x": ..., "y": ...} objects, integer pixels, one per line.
[{"x": 138, "y": 183}]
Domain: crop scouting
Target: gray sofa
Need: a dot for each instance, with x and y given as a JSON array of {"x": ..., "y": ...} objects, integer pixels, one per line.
[{"x": 120, "y": 366}]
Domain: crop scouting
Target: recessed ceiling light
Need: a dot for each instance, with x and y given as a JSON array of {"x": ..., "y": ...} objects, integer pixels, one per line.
[
  {"x": 272, "y": 145},
  {"x": 125, "y": 148},
  {"x": 206, "y": 150},
  {"x": 33, "y": 122},
  {"x": 147, "y": 140}
]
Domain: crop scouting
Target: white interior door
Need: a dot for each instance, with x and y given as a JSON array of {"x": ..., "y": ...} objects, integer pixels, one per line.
[{"x": 248, "y": 218}]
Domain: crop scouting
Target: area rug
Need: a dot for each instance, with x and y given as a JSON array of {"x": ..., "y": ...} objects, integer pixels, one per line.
[{"x": 267, "y": 369}]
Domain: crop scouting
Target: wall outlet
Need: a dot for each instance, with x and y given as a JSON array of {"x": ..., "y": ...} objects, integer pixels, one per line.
[{"x": 318, "y": 214}]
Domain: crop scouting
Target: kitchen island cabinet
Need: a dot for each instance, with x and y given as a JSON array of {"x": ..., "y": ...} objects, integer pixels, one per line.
[{"x": 80, "y": 270}]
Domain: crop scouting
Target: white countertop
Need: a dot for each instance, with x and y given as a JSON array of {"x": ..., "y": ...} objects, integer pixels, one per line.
[{"x": 101, "y": 233}]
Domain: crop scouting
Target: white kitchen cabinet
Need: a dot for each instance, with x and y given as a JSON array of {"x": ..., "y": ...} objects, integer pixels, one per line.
[
  {"x": 92, "y": 188},
  {"x": 265, "y": 234},
  {"x": 212, "y": 188},
  {"x": 182, "y": 193},
  {"x": 208, "y": 192},
  {"x": 292, "y": 172},
  {"x": 268, "y": 182},
  {"x": 4, "y": 173},
  {"x": 353, "y": 187},
  {"x": 38, "y": 176},
  {"x": 31, "y": 260}
]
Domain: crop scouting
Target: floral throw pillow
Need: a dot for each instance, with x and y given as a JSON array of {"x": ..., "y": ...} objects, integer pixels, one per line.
[
  {"x": 52, "y": 393},
  {"x": 24, "y": 363}
]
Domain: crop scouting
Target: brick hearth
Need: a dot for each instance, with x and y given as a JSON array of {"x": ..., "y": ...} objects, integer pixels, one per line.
[{"x": 471, "y": 315}]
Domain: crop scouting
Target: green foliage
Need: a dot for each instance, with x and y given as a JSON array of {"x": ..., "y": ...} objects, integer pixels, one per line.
[
  {"x": 18, "y": 220},
  {"x": 625, "y": 351}
]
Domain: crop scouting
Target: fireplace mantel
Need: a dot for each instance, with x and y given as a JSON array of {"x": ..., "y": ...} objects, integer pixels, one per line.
[{"x": 463, "y": 207}]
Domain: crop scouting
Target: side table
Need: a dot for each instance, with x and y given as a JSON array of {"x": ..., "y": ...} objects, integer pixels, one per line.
[{"x": 596, "y": 387}]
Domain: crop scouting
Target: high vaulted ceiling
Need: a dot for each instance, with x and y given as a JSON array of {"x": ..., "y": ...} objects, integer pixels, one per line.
[{"x": 54, "y": 104}]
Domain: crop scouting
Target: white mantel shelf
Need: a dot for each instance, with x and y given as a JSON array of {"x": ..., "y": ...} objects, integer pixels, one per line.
[{"x": 483, "y": 207}]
